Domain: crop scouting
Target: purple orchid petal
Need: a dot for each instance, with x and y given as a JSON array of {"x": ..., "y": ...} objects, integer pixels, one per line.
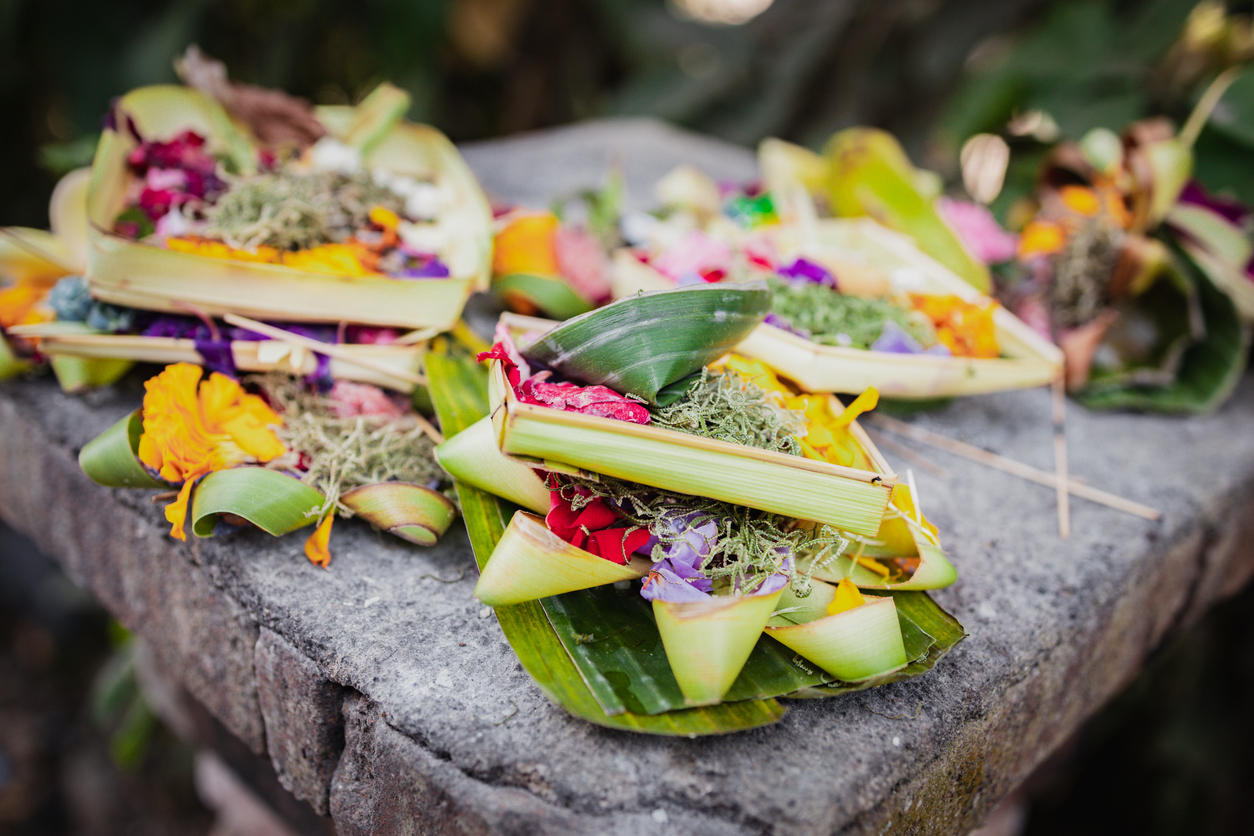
[
  {"x": 663, "y": 584},
  {"x": 217, "y": 356},
  {"x": 810, "y": 271},
  {"x": 1232, "y": 210}
]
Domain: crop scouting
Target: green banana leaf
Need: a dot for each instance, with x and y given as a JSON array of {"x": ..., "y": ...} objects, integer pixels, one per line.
[
  {"x": 652, "y": 341},
  {"x": 460, "y": 390},
  {"x": 598, "y": 653},
  {"x": 1208, "y": 368},
  {"x": 10, "y": 364},
  {"x": 112, "y": 458},
  {"x": 870, "y": 174},
  {"x": 78, "y": 373}
]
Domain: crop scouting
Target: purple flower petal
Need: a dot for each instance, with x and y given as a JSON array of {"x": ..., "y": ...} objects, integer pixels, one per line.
[{"x": 810, "y": 271}]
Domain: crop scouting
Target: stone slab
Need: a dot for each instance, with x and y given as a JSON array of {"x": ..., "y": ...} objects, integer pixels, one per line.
[{"x": 444, "y": 732}]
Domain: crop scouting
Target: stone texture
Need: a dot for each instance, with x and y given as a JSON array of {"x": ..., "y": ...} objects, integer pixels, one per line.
[
  {"x": 446, "y": 734},
  {"x": 304, "y": 726}
]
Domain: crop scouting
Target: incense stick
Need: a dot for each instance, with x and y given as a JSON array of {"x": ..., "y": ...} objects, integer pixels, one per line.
[
  {"x": 1060, "y": 457},
  {"x": 338, "y": 352},
  {"x": 911, "y": 456},
  {"x": 1011, "y": 466}
]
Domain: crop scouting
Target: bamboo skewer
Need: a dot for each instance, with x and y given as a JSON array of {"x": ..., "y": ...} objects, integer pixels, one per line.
[
  {"x": 1060, "y": 457},
  {"x": 912, "y": 456},
  {"x": 332, "y": 350},
  {"x": 1011, "y": 466}
]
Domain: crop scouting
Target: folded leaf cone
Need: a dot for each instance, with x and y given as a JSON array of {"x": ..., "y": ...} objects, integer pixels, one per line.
[
  {"x": 708, "y": 642},
  {"x": 530, "y": 562},
  {"x": 853, "y": 645}
]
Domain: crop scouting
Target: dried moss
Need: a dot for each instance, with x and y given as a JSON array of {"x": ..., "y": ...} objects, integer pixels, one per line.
[
  {"x": 832, "y": 318},
  {"x": 725, "y": 406},
  {"x": 297, "y": 211},
  {"x": 340, "y": 454}
]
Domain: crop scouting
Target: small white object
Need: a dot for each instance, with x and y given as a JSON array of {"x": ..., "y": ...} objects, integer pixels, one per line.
[
  {"x": 907, "y": 278},
  {"x": 332, "y": 155},
  {"x": 896, "y": 741},
  {"x": 659, "y": 816},
  {"x": 370, "y": 602},
  {"x": 485, "y": 612}
]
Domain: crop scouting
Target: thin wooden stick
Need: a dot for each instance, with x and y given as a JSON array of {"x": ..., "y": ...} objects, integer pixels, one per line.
[
  {"x": 912, "y": 456},
  {"x": 1060, "y": 458},
  {"x": 1010, "y": 466},
  {"x": 332, "y": 350}
]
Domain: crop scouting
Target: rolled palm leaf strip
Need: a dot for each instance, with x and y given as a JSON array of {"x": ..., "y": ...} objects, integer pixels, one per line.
[
  {"x": 112, "y": 458},
  {"x": 642, "y": 344},
  {"x": 411, "y": 512},
  {"x": 460, "y": 396},
  {"x": 850, "y": 499},
  {"x": 272, "y": 501}
]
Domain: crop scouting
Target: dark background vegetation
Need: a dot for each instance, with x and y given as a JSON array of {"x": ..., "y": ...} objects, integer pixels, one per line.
[{"x": 1172, "y": 755}]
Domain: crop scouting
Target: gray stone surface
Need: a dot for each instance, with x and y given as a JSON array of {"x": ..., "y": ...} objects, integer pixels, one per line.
[{"x": 444, "y": 732}]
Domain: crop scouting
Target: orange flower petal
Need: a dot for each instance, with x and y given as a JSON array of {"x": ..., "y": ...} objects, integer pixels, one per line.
[
  {"x": 176, "y": 511},
  {"x": 1081, "y": 200},
  {"x": 525, "y": 245},
  {"x": 1041, "y": 238},
  {"x": 317, "y": 547}
]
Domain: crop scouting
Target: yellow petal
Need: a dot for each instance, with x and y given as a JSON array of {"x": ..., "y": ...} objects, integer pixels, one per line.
[
  {"x": 176, "y": 511},
  {"x": 865, "y": 402},
  {"x": 847, "y": 597},
  {"x": 525, "y": 245}
]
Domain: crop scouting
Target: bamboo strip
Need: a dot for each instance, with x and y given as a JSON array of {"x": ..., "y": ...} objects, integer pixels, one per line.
[
  {"x": 1059, "y": 394},
  {"x": 37, "y": 251},
  {"x": 1023, "y": 471},
  {"x": 912, "y": 456},
  {"x": 332, "y": 350}
]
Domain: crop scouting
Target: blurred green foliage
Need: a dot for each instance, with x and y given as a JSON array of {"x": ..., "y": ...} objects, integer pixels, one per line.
[{"x": 484, "y": 68}]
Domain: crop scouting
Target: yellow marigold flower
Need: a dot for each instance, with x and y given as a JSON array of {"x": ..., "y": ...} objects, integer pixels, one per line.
[
  {"x": 384, "y": 217},
  {"x": 1081, "y": 200},
  {"x": 335, "y": 259},
  {"x": 192, "y": 428},
  {"x": 1041, "y": 238},
  {"x": 525, "y": 245},
  {"x": 965, "y": 328},
  {"x": 19, "y": 305},
  {"x": 216, "y": 249}
]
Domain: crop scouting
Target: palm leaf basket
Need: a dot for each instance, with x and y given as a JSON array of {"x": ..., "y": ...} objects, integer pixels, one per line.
[
  {"x": 1028, "y": 359},
  {"x": 848, "y": 498},
  {"x": 274, "y": 502},
  {"x": 129, "y": 272},
  {"x": 598, "y": 651}
]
